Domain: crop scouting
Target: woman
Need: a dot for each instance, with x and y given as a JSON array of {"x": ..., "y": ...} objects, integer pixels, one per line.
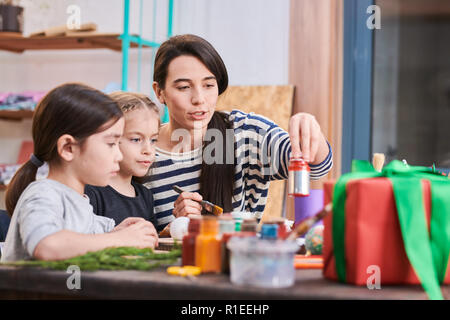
[{"x": 189, "y": 76}]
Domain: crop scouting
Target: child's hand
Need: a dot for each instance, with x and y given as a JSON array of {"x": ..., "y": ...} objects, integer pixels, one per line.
[
  {"x": 128, "y": 221},
  {"x": 187, "y": 204},
  {"x": 141, "y": 234}
]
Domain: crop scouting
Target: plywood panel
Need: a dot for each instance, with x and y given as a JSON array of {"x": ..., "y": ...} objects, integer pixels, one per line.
[{"x": 273, "y": 102}]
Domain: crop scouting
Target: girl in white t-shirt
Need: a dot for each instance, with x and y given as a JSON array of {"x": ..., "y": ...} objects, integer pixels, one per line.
[{"x": 76, "y": 130}]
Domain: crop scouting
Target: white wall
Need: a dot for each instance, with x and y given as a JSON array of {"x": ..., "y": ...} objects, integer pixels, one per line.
[{"x": 251, "y": 36}]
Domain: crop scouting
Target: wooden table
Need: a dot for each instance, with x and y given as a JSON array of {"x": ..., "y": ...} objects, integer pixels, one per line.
[{"x": 40, "y": 283}]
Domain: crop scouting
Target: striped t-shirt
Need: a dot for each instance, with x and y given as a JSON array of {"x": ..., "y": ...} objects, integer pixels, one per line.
[{"x": 262, "y": 151}]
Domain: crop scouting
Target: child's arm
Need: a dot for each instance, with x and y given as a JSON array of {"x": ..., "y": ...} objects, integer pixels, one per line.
[{"x": 66, "y": 244}]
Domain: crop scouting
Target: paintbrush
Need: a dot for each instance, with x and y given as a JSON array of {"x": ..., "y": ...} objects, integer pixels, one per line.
[
  {"x": 208, "y": 206},
  {"x": 304, "y": 226}
]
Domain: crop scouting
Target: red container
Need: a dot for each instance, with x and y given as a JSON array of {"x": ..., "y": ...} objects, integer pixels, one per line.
[{"x": 188, "y": 244}]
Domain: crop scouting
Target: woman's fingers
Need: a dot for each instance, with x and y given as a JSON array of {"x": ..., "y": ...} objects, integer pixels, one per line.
[
  {"x": 195, "y": 196},
  {"x": 187, "y": 203},
  {"x": 187, "y": 207},
  {"x": 305, "y": 135},
  {"x": 305, "y": 143},
  {"x": 294, "y": 129}
]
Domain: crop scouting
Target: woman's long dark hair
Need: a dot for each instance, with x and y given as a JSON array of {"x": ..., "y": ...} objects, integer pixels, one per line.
[
  {"x": 217, "y": 179},
  {"x": 73, "y": 109}
]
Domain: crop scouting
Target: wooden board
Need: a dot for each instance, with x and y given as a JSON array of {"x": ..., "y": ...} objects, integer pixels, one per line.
[
  {"x": 20, "y": 283},
  {"x": 16, "y": 114},
  {"x": 87, "y": 41},
  {"x": 165, "y": 244},
  {"x": 273, "y": 102}
]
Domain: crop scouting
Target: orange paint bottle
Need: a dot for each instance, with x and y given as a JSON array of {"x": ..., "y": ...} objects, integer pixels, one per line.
[{"x": 207, "y": 246}]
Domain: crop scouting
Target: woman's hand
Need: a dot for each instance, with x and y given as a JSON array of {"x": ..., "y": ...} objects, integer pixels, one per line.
[
  {"x": 307, "y": 139},
  {"x": 186, "y": 204}
]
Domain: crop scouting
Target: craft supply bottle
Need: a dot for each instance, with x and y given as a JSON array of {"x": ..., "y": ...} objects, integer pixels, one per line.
[
  {"x": 207, "y": 246},
  {"x": 269, "y": 231},
  {"x": 188, "y": 243},
  {"x": 238, "y": 223},
  {"x": 249, "y": 225},
  {"x": 226, "y": 224},
  {"x": 282, "y": 230},
  {"x": 298, "y": 178}
]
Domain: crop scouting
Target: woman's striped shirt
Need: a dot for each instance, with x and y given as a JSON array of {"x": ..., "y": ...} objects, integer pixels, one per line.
[{"x": 262, "y": 151}]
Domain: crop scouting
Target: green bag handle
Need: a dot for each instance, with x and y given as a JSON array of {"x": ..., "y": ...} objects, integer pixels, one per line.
[{"x": 428, "y": 253}]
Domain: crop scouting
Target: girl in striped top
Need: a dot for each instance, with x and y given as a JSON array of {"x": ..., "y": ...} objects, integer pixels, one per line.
[{"x": 227, "y": 158}]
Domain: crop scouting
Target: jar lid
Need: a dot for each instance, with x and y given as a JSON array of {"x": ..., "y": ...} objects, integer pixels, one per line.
[{"x": 269, "y": 231}]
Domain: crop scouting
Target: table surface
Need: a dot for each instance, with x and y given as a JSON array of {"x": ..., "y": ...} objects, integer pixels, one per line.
[{"x": 18, "y": 282}]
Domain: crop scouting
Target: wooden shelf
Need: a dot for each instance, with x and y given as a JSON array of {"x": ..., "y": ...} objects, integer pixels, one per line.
[
  {"x": 16, "y": 115},
  {"x": 18, "y": 43}
]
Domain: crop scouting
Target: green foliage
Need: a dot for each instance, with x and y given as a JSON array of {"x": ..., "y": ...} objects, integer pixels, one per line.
[{"x": 123, "y": 258}]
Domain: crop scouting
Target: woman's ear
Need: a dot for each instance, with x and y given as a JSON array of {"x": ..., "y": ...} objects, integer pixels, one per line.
[
  {"x": 66, "y": 146},
  {"x": 158, "y": 92}
]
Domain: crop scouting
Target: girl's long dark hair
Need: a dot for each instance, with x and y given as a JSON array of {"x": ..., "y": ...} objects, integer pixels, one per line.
[
  {"x": 217, "y": 179},
  {"x": 74, "y": 109}
]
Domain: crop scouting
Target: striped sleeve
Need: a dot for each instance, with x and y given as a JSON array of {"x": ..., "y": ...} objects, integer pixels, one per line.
[
  {"x": 321, "y": 169},
  {"x": 271, "y": 148}
]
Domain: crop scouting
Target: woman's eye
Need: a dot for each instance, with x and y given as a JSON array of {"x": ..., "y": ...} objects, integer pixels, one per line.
[
  {"x": 210, "y": 85},
  {"x": 183, "y": 88},
  {"x": 112, "y": 144},
  {"x": 135, "y": 139},
  {"x": 154, "y": 141}
]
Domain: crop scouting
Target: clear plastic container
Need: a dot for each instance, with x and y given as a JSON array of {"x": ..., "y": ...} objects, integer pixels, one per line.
[{"x": 262, "y": 263}]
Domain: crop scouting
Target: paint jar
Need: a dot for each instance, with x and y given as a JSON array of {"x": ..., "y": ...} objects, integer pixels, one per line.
[
  {"x": 226, "y": 224},
  {"x": 298, "y": 178},
  {"x": 225, "y": 252},
  {"x": 239, "y": 217},
  {"x": 207, "y": 246},
  {"x": 249, "y": 225},
  {"x": 282, "y": 231},
  {"x": 260, "y": 263},
  {"x": 269, "y": 231},
  {"x": 188, "y": 243}
]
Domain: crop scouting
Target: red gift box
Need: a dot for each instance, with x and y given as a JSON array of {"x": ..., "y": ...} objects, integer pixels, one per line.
[{"x": 372, "y": 233}]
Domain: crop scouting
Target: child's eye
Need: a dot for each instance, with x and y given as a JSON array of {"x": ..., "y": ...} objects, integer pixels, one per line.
[
  {"x": 135, "y": 139},
  {"x": 209, "y": 85},
  {"x": 154, "y": 141},
  {"x": 112, "y": 144},
  {"x": 183, "y": 88}
]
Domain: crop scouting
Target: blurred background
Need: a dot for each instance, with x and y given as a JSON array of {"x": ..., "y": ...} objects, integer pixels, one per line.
[{"x": 375, "y": 73}]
